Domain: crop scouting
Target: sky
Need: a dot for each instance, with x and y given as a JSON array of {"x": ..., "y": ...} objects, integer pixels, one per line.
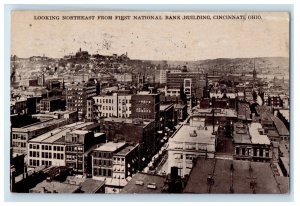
[{"x": 149, "y": 39}]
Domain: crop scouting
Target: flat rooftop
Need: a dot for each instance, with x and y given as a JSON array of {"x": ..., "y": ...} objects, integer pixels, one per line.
[
  {"x": 126, "y": 121},
  {"x": 54, "y": 186},
  {"x": 38, "y": 125},
  {"x": 144, "y": 180},
  {"x": 56, "y": 134},
  {"x": 126, "y": 150},
  {"x": 256, "y": 137},
  {"x": 241, "y": 134},
  {"x": 220, "y": 170},
  {"x": 79, "y": 132},
  {"x": 87, "y": 185},
  {"x": 51, "y": 99},
  {"x": 218, "y": 112},
  {"x": 110, "y": 146},
  {"x": 187, "y": 133}
]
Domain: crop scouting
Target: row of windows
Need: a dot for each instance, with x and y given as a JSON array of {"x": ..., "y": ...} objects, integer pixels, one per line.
[
  {"x": 73, "y": 157},
  {"x": 19, "y": 136},
  {"x": 125, "y": 108},
  {"x": 190, "y": 147},
  {"x": 256, "y": 152},
  {"x": 34, "y": 146},
  {"x": 100, "y": 162},
  {"x": 102, "y": 155},
  {"x": 33, "y": 162},
  {"x": 105, "y": 101},
  {"x": 76, "y": 89},
  {"x": 102, "y": 172},
  {"x": 143, "y": 102},
  {"x": 47, "y": 155},
  {"x": 74, "y": 148},
  {"x": 74, "y": 105},
  {"x": 34, "y": 154},
  {"x": 143, "y": 116},
  {"x": 119, "y": 159},
  {"x": 143, "y": 110},
  {"x": 46, "y": 147},
  {"x": 58, "y": 148},
  {"x": 124, "y": 115},
  {"x": 118, "y": 168},
  {"x": 58, "y": 156},
  {"x": 108, "y": 108},
  {"x": 19, "y": 144},
  {"x": 47, "y": 163},
  {"x": 124, "y": 101}
]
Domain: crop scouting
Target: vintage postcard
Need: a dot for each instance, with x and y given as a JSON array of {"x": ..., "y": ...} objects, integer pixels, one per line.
[{"x": 150, "y": 102}]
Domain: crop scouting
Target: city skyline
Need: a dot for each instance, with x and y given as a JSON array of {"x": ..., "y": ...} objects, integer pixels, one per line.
[{"x": 153, "y": 40}]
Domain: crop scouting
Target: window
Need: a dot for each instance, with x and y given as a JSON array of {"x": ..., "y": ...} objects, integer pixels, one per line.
[
  {"x": 255, "y": 152},
  {"x": 243, "y": 151},
  {"x": 261, "y": 152},
  {"x": 237, "y": 150}
]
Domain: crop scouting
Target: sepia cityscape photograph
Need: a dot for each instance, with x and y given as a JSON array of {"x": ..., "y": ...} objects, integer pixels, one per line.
[{"x": 150, "y": 102}]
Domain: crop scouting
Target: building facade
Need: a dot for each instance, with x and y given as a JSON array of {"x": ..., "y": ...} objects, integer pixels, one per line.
[
  {"x": 21, "y": 136},
  {"x": 191, "y": 140},
  {"x": 52, "y": 104},
  {"x": 77, "y": 95},
  {"x": 251, "y": 143},
  {"x": 146, "y": 106}
]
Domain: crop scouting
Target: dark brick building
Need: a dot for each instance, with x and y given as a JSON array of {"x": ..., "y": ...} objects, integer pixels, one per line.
[
  {"x": 132, "y": 131},
  {"x": 146, "y": 106},
  {"x": 51, "y": 104}
]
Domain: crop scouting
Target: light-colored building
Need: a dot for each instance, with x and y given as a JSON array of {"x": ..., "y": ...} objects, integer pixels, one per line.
[
  {"x": 123, "y": 77},
  {"x": 115, "y": 105},
  {"x": 190, "y": 141},
  {"x": 49, "y": 148},
  {"x": 21, "y": 136}
]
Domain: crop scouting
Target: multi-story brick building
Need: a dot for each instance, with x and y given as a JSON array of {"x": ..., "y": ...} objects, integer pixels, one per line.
[
  {"x": 192, "y": 84},
  {"x": 146, "y": 106},
  {"x": 77, "y": 95},
  {"x": 78, "y": 144},
  {"x": 274, "y": 101},
  {"x": 52, "y": 104},
  {"x": 126, "y": 162},
  {"x": 168, "y": 118},
  {"x": 132, "y": 131},
  {"x": 251, "y": 143},
  {"x": 102, "y": 159}
]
